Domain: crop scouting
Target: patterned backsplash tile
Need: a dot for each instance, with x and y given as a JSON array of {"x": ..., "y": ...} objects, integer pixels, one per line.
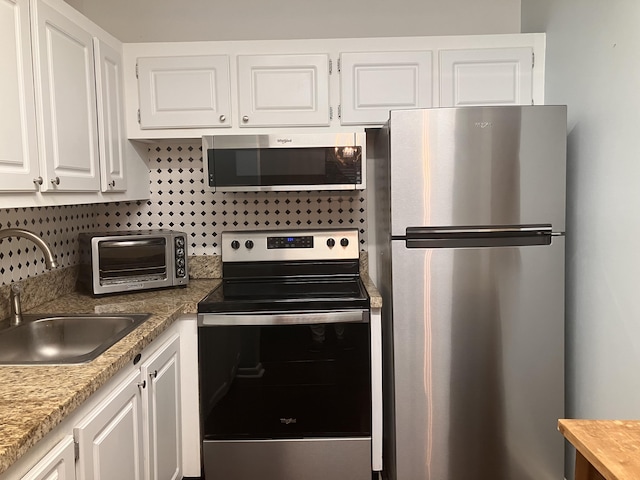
[{"x": 179, "y": 201}]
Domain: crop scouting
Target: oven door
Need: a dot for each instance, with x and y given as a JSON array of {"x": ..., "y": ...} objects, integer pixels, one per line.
[{"x": 286, "y": 396}]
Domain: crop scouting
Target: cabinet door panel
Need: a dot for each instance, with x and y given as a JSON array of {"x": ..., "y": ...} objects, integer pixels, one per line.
[
  {"x": 66, "y": 95},
  {"x": 496, "y": 76},
  {"x": 58, "y": 464},
  {"x": 283, "y": 90},
  {"x": 163, "y": 429},
  {"x": 184, "y": 92},
  {"x": 110, "y": 438},
  {"x": 18, "y": 147},
  {"x": 374, "y": 83},
  {"x": 109, "y": 86}
]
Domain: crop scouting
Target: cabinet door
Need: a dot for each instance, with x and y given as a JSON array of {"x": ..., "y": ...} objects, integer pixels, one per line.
[
  {"x": 371, "y": 84},
  {"x": 110, "y": 438},
  {"x": 494, "y": 76},
  {"x": 66, "y": 101},
  {"x": 58, "y": 464},
  {"x": 163, "y": 415},
  {"x": 184, "y": 92},
  {"x": 18, "y": 147},
  {"x": 109, "y": 89},
  {"x": 283, "y": 90}
]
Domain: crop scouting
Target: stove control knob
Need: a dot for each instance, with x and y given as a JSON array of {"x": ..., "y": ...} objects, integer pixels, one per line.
[
  {"x": 331, "y": 243},
  {"x": 249, "y": 244},
  {"x": 235, "y": 244},
  {"x": 344, "y": 242}
]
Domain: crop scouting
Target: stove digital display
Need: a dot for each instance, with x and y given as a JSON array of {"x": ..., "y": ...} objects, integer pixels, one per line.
[{"x": 289, "y": 242}]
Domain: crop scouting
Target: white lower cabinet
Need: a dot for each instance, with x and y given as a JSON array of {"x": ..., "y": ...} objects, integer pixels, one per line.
[
  {"x": 131, "y": 428},
  {"x": 162, "y": 419},
  {"x": 110, "y": 438},
  {"x": 135, "y": 432},
  {"x": 58, "y": 464}
]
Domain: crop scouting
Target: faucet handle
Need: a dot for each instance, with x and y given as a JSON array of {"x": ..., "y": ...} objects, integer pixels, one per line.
[{"x": 16, "y": 288}]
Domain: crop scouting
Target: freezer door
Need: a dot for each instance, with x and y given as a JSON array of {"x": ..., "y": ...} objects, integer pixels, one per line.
[
  {"x": 478, "y": 166},
  {"x": 478, "y": 362}
]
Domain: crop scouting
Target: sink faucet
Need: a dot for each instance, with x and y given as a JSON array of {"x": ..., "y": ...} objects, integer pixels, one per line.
[{"x": 49, "y": 260}]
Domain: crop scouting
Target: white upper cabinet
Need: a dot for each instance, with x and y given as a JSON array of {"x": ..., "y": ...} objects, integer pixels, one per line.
[
  {"x": 491, "y": 76},
  {"x": 18, "y": 144},
  {"x": 109, "y": 83},
  {"x": 66, "y": 101},
  {"x": 63, "y": 137},
  {"x": 372, "y": 83},
  {"x": 184, "y": 92},
  {"x": 316, "y": 84},
  {"x": 283, "y": 90}
]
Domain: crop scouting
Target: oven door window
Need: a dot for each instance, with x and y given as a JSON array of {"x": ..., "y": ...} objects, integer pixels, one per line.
[
  {"x": 293, "y": 381},
  {"x": 285, "y": 166},
  {"x": 132, "y": 259}
]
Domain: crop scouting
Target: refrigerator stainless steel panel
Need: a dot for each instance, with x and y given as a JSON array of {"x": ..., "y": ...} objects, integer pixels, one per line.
[
  {"x": 478, "y": 337},
  {"x": 478, "y": 166},
  {"x": 472, "y": 272}
]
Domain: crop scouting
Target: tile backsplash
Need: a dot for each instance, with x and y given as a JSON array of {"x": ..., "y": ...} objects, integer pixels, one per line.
[{"x": 178, "y": 200}]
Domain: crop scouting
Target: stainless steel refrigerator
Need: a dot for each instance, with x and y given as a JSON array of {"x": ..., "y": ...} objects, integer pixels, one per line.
[{"x": 470, "y": 220}]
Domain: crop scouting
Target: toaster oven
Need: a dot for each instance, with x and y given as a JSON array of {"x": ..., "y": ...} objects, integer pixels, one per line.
[{"x": 132, "y": 260}]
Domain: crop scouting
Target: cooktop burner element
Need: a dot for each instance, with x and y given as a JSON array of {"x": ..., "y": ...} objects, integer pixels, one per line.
[{"x": 288, "y": 271}]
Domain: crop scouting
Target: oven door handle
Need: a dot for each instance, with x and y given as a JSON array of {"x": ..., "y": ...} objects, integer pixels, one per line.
[{"x": 283, "y": 318}]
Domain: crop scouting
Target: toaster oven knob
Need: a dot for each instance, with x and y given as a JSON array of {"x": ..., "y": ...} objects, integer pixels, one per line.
[
  {"x": 180, "y": 252},
  {"x": 235, "y": 244},
  {"x": 181, "y": 272},
  {"x": 180, "y": 262},
  {"x": 344, "y": 242},
  {"x": 249, "y": 244},
  {"x": 331, "y": 243},
  {"x": 179, "y": 242}
]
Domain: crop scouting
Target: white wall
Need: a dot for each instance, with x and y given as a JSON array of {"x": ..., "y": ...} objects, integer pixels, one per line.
[
  {"x": 593, "y": 66},
  {"x": 172, "y": 20}
]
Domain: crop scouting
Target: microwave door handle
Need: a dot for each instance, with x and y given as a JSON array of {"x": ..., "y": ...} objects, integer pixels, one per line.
[{"x": 130, "y": 243}]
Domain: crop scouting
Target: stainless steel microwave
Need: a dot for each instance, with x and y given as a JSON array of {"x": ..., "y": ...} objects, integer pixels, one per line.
[
  {"x": 280, "y": 162},
  {"x": 132, "y": 260}
]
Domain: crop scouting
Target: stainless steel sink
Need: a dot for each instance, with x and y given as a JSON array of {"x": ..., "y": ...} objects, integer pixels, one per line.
[{"x": 63, "y": 339}]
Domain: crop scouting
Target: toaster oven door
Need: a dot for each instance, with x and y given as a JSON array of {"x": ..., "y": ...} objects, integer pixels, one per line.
[{"x": 132, "y": 260}]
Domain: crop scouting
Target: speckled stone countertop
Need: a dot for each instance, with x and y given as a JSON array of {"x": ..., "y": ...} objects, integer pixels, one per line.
[{"x": 34, "y": 399}]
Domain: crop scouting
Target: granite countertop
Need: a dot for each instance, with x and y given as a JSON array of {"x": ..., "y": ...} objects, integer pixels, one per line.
[
  {"x": 375, "y": 299},
  {"x": 34, "y": 399}
]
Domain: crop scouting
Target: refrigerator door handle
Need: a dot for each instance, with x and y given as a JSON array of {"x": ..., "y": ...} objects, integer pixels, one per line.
[{"x": 473, "y": 237}]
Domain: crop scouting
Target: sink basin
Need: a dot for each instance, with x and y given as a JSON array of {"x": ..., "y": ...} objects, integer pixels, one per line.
[{"x": 63, "y": 339}]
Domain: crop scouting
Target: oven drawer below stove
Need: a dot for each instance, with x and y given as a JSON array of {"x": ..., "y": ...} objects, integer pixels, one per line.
[{"x": 296, "y": 459}]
